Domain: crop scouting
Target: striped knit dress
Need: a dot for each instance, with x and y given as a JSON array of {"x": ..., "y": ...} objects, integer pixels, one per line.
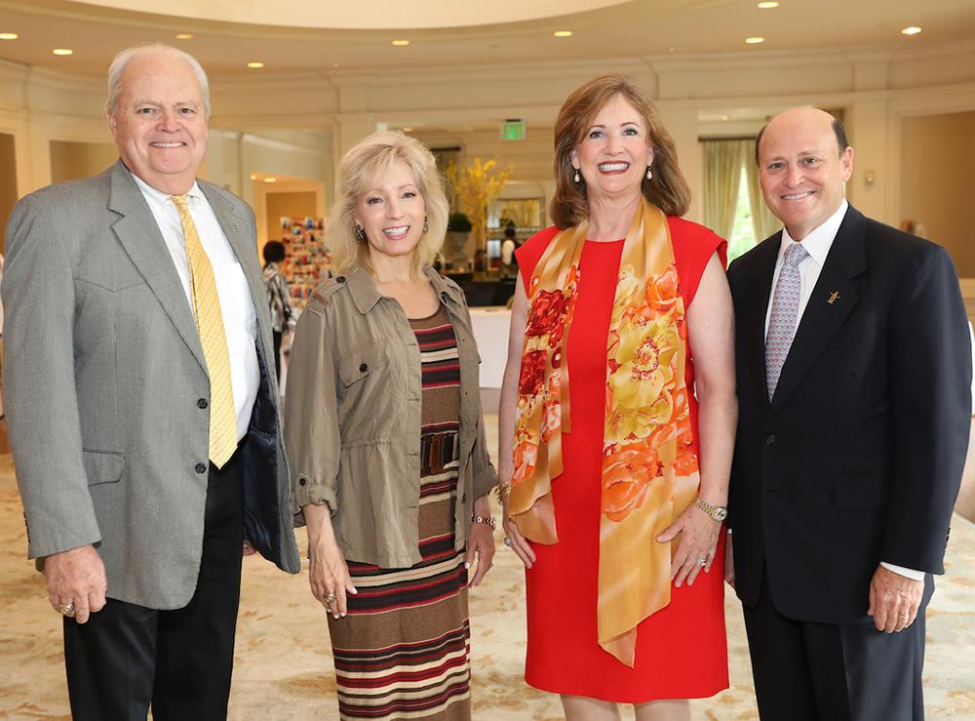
[{"x": 402, "y": 651}]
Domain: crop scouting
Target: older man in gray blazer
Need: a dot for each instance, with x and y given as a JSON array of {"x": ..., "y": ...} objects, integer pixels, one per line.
[{"x": 142, "y": 408}]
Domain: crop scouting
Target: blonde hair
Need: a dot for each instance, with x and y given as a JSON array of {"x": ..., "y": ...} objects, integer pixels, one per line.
[
  {"x": 668, "y": 190},
  {"x": 370, "y": 158}
]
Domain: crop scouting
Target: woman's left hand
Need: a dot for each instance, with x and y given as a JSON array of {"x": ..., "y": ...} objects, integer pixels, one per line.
[
  {"x": 698, "y": 540},
  {"x": 480, "y": 544}
]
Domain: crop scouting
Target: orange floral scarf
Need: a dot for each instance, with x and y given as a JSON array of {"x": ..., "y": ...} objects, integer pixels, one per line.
[{"x": 649, "y": 470}]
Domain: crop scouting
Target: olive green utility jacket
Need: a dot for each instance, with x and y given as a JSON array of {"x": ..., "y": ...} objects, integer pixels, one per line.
[{"x": 352, "y": 418}]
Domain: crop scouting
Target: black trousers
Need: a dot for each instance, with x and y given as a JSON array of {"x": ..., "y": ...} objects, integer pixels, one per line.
[
  {"x": 807, "y": 671},
  {"x": 127, "y": 657}
]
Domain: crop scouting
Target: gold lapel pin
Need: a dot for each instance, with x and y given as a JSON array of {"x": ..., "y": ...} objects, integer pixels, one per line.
[{"x": 833, "y": 297}]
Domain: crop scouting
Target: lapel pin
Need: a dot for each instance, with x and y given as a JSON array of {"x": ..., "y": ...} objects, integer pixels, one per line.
[{"x": 833, "y": 297}]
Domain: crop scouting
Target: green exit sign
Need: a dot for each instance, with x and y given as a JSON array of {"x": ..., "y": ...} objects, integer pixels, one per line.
[{"x": 513, "y": 130}]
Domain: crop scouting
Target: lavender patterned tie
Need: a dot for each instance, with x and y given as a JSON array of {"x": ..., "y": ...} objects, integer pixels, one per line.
[{"x": 785, "y": 309}]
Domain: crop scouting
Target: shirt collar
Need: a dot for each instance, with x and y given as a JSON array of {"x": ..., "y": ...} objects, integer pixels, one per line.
[
  {"x": 158, "y": 197},
  {"x": 365, "y": 295},
  {"x": 820, "y": 240}
]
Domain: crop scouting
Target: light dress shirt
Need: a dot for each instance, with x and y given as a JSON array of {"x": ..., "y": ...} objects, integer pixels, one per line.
[
  {"x": 236, "y": 305},
  {"x": 817, "y": 245}
]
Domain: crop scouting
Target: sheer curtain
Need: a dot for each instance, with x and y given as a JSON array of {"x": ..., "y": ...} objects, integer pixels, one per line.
[
  {"x": 762, "y": 219},
  {"x": 722, "y": 176}
]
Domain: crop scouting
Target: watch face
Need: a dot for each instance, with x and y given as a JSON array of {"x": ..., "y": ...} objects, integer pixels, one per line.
[{"x": 721, "y": 514}]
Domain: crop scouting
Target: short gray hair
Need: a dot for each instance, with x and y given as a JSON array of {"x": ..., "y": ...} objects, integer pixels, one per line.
[{"x": 116, "y": 72}]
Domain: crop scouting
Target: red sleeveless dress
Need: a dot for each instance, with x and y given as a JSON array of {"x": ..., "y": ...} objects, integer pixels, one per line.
[{"x": 681, "y": 650}]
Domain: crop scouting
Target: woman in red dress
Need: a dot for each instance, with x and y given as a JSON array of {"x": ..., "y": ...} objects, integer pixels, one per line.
[{"x": 617, "y": 422}]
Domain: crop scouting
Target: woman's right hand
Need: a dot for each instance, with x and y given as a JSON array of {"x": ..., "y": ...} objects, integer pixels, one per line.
[
  {"x": 514, "y": 540},
  {"x": 329, "y": 574}
]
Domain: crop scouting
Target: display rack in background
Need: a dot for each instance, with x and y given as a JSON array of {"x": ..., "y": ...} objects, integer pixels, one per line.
[{"x": 307, "y": 260}]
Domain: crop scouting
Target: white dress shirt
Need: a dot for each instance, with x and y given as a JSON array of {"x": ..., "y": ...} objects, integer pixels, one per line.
[
  {"x": 817, "y": 245},
  {"x": 236, "y": 305}
]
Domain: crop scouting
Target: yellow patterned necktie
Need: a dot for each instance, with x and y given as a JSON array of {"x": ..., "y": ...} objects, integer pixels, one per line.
[{"x": 209, "y": 324}]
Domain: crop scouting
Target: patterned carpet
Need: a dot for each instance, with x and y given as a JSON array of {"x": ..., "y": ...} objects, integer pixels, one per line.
[{"x": 284, "y": 668}]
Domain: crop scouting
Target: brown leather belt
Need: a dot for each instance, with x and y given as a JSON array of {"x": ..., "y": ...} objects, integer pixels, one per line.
[{"x": 437, "y": 450}]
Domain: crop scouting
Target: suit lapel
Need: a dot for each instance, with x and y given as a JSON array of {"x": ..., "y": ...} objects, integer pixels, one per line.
[
  {"x": 139, "y": 235},
  {"x": 822, "y": 318},
  {"x": 753, "y": 311}
]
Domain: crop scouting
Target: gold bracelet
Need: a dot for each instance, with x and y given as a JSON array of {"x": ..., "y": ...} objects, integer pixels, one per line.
[
  {"x": 486, "y": 520},
  {"x": 504, "y": 491}
]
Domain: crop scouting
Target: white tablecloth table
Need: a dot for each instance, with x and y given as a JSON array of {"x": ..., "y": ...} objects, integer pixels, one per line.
[{"x": 491, "y": 333}]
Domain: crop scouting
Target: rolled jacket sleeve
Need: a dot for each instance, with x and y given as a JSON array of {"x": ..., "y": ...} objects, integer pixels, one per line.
[{"x": 311, "y": 418}]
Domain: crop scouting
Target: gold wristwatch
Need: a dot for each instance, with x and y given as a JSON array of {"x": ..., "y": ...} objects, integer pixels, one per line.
[{"x": 718, "y": 513}]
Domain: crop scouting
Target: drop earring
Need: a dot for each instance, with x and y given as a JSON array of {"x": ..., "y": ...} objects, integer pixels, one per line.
[
  {"x": 360, "y": 234},
  {"x": 426, "y": 225},
  {"x": 577, "y": 178},
  {"x": 649, "y": 173}
]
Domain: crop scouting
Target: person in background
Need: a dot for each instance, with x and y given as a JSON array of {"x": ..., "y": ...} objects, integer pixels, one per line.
[
  {"x": 509, "y": 264},
  {"x": 278, "y": 297},
  {"x": 854, "y": 378},
  {"x": 614, "y": 502},
  {"x": 386, "y": 439},
  {"x": 142, "y": 412}
]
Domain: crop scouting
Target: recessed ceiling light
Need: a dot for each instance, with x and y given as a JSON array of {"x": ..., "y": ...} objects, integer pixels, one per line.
[
  {"x": 335, "y": 65},
  {"x": 63, "y": 51},
  {"x": 768, "y": 5},
  {"x": 401, "y": 43},
  {"x": 754, "y": 41},
  {"x": 407, "y": 130},
  {"x": 184, "y": 36},
  {"x": 562, "y": 33},
  {"x": 726, "y": 117},
  {"x": 255, "y": 65},
  {"x": 9, "y": 36},
  {"x": 670, "y": 50},
  {"x": 912, "y": 30},
  {"x": 270, "y": 179}
]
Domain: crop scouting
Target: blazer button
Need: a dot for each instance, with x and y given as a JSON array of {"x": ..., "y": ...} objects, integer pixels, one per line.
[
  {"x": 770, "y": 439},
  {"x": 302, "y": 481},
  {"x": 363, "y": 367},
  {"x": 202, "y": 403},
  {"x": 201, "y": 467},
  {"x": 340, "y": 279}
]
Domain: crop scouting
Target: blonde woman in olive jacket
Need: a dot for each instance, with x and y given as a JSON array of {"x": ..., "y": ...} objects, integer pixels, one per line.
[{"x": 386, "y": 442}]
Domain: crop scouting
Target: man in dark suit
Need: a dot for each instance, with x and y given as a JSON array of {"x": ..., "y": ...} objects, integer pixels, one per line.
[
  {"x": 854, "y": 368},
  {"x": 142, "y": 408}
]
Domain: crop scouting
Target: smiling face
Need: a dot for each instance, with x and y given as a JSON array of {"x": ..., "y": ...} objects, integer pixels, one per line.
[
  {"x": 391, "y": 212},
  {"x": 615, "y": 152},
  {"x": 159, "y": 123},
  {"x": 802, "y": 170}
]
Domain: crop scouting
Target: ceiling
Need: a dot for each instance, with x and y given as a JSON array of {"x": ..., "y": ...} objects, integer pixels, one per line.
[
  {"x": 394, "y": 14},
  {"x": 634, "y": 29}
]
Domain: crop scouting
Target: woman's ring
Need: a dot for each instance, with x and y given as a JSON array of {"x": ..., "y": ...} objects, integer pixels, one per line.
[
  {"x": 507, "y": 541},
  {"x": 329, "y": 599},
  {"x": 702, "y": 562}
]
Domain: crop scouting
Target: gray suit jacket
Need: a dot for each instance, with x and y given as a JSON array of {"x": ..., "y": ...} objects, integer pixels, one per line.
[{"x": 103, "y": 374}]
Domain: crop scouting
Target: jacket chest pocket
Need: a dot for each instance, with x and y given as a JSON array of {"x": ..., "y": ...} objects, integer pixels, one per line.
[
  {"x": 364, "y": 393},
  {"x": 365, "y": 361}
]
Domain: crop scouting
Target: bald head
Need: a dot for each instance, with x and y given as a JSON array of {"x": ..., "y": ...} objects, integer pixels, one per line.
[
  {"x": 803, "y": 163},
  {"x": 812, "y": 115}
]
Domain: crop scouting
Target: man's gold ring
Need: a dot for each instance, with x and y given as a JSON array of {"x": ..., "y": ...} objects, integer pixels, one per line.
[
  {"x": 67, "y": 609},
  {"x": 329, "y": 599}
]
